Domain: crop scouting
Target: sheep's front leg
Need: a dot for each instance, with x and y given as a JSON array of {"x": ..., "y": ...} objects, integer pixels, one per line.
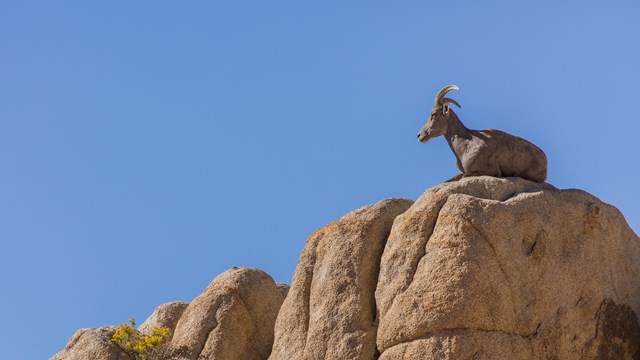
[
  {"x": 456, "y": 178},
  {"x": 480, "y": 173}
]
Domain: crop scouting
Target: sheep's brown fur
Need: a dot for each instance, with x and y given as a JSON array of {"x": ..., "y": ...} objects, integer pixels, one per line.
[{"x": 483, "y": 152}]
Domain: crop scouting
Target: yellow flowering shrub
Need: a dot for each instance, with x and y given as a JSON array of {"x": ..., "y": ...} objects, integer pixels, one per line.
[{"x": 138, "y": 345}]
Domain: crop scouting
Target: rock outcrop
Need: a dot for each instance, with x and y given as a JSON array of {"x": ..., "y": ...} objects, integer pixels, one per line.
[
  {"x": 233, "y": 319},
  {"x": 330, "y": 310},
  {"x": 92, "y": 344},
  {"x": 165, "y": 315},
  {"x": 480, "y": 268},
  {"x": 491, "y": 268}
]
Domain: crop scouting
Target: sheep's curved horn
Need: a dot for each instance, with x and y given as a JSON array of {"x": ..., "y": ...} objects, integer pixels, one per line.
[
  {"x": 448, "y": 100},
  {"x": 443, "y": 92}
]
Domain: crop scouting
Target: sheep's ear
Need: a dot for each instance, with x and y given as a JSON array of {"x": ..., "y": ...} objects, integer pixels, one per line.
[{"x": 445, "y": 108}]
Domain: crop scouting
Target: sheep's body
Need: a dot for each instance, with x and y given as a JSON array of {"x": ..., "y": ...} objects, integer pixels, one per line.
[
  {"x": 483, "y": 152},
  {"x": 496, "y": 153}
]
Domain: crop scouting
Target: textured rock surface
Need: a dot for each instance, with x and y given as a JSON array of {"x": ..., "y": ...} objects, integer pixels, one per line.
[
  {"x": 489, "y": 268},
  {"x": 165, "y": 315},
  {"x": 481, "y": 268},
  {"x": 329, "y": 312},
  {"x": 232, "y": 319},
  {"x": 92, "y": 344},
  {"x": 617, "y": 334},
  {"x": 284, "y": 289}
]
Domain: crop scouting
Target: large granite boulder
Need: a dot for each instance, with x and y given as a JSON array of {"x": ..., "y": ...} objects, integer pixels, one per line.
[
  {"x": 330, "y": 310},
  {"x": 232, "y": 319},
  {"x": 490, "y": 268},
  {"x": 164, "y": 316},
  {"x": 92, "y": 344}
]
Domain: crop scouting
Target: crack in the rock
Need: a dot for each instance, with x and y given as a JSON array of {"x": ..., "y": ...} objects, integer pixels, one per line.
[
  {"x": 424, "y": 247},
  {"x": 456, "y": 331},
  {"x": 596, "y": 323},
  {"x": 532, "y": 248},
  {"x": 493, "y": 250},
  {"x": 441, "y": 205},
  {"x": 597, "y": 319},
  {"x": 307, "y": 291},
  {"x": 495, "y": 254}
]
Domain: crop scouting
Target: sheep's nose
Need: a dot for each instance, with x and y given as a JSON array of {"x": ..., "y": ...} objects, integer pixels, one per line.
[{"x": 418, "y": 135}]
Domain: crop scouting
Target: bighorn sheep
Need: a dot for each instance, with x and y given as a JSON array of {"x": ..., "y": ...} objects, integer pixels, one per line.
[{"x": 483, "y": 152}]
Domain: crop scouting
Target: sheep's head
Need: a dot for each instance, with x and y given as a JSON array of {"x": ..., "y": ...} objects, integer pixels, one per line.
[{"x": 440, "y": 114}]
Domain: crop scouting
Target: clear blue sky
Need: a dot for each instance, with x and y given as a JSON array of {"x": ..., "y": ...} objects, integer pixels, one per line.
[{"x": 145, "y": 147}]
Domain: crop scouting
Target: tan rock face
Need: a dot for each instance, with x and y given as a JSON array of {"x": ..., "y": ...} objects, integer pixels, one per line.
[
  {"x": 284, "y": 289},
  {"x": 92, "y": 344},
  {"x": 329, "y": 312},
  {"x": 232, "y": 319},
  {"x": 490, "y": 268},
  {"x": 165, "y": 315}
]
